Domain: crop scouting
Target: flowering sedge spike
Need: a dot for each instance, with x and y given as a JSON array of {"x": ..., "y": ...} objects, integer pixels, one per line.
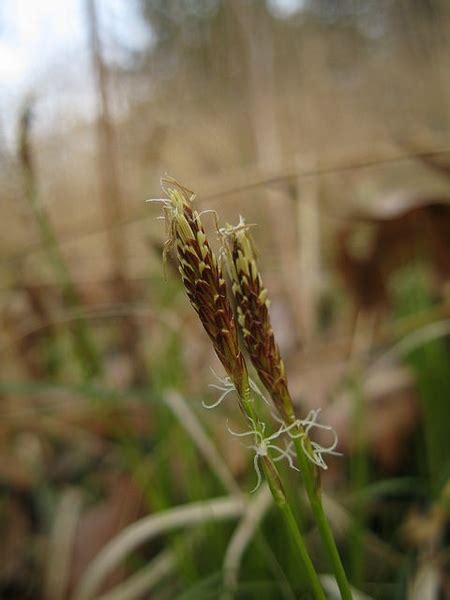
[
  {"x": 203, "y": 280},
  {"x": 252, "y": 311},
  {"x": 206, "y": 288},
  {"x": 253, "y": 317}
]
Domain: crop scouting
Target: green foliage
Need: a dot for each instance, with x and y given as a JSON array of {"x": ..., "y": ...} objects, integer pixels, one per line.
[{"x": 430, "y": 362}]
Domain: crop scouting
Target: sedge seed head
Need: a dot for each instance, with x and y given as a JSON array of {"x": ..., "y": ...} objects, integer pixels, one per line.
[
  {"x": 252, "y": 306},
  {"x": 202, "y": 278}
]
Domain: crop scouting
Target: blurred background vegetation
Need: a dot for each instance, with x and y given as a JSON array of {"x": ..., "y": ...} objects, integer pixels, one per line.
[{"x": 327, "y": 124}]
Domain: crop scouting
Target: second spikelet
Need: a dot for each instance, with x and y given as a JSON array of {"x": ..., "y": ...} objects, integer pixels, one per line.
[{"x": 253, "y": 316}]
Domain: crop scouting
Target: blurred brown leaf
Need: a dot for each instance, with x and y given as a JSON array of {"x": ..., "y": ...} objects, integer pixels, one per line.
[{"x": 99, "y": 524}]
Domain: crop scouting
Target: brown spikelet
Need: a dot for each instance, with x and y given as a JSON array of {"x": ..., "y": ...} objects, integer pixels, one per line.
[
  {"x": 203, "y": 280},
  {"x": 253, "y": 316}
]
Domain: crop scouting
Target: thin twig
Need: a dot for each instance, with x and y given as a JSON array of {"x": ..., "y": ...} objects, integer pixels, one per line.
[
  {"x": 115, "y": 311},
  {"x": 244, "y": 183}
]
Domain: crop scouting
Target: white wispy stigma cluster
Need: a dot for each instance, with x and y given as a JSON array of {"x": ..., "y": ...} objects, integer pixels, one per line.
[
  {"x": 227, "y": 386},
  {"x": 300, "y": 429},
  {"x": 263, "y": 445},
  {"x": 229, "y": 230},
  {"x": 169, "y": 210}
]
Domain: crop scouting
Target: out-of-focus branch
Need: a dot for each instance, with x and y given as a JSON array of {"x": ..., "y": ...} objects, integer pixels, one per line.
[
  {"x": 83, "y": 346},
  {"x": 107, "y": 163}
]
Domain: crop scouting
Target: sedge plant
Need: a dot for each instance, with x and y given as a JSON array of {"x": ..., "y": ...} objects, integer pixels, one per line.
[
  {"x": 202, "y": 277},
  {"x": 206, "y": 288}
]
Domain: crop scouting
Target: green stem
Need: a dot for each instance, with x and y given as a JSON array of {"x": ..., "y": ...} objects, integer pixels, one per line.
[
  {"x": 273, "y": 478},
  {"x": 359, "y": 473},
  {"x": 312, "y": 485},
  {"x": 297, "y": 538}
]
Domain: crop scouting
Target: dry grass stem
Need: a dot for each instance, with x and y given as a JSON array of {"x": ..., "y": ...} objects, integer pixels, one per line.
[
  {"x": 61, "y": 545},
  {"x": 145, "y": 580},
  {"x": 188, "y": 420},
  {"x": 149, "y": 527},
  {"x": 410, "y": 342},
  {"x": 242, "y": 537}
]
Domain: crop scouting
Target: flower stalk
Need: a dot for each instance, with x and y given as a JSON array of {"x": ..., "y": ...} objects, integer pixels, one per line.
[{"x": 276, "y": 487}]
